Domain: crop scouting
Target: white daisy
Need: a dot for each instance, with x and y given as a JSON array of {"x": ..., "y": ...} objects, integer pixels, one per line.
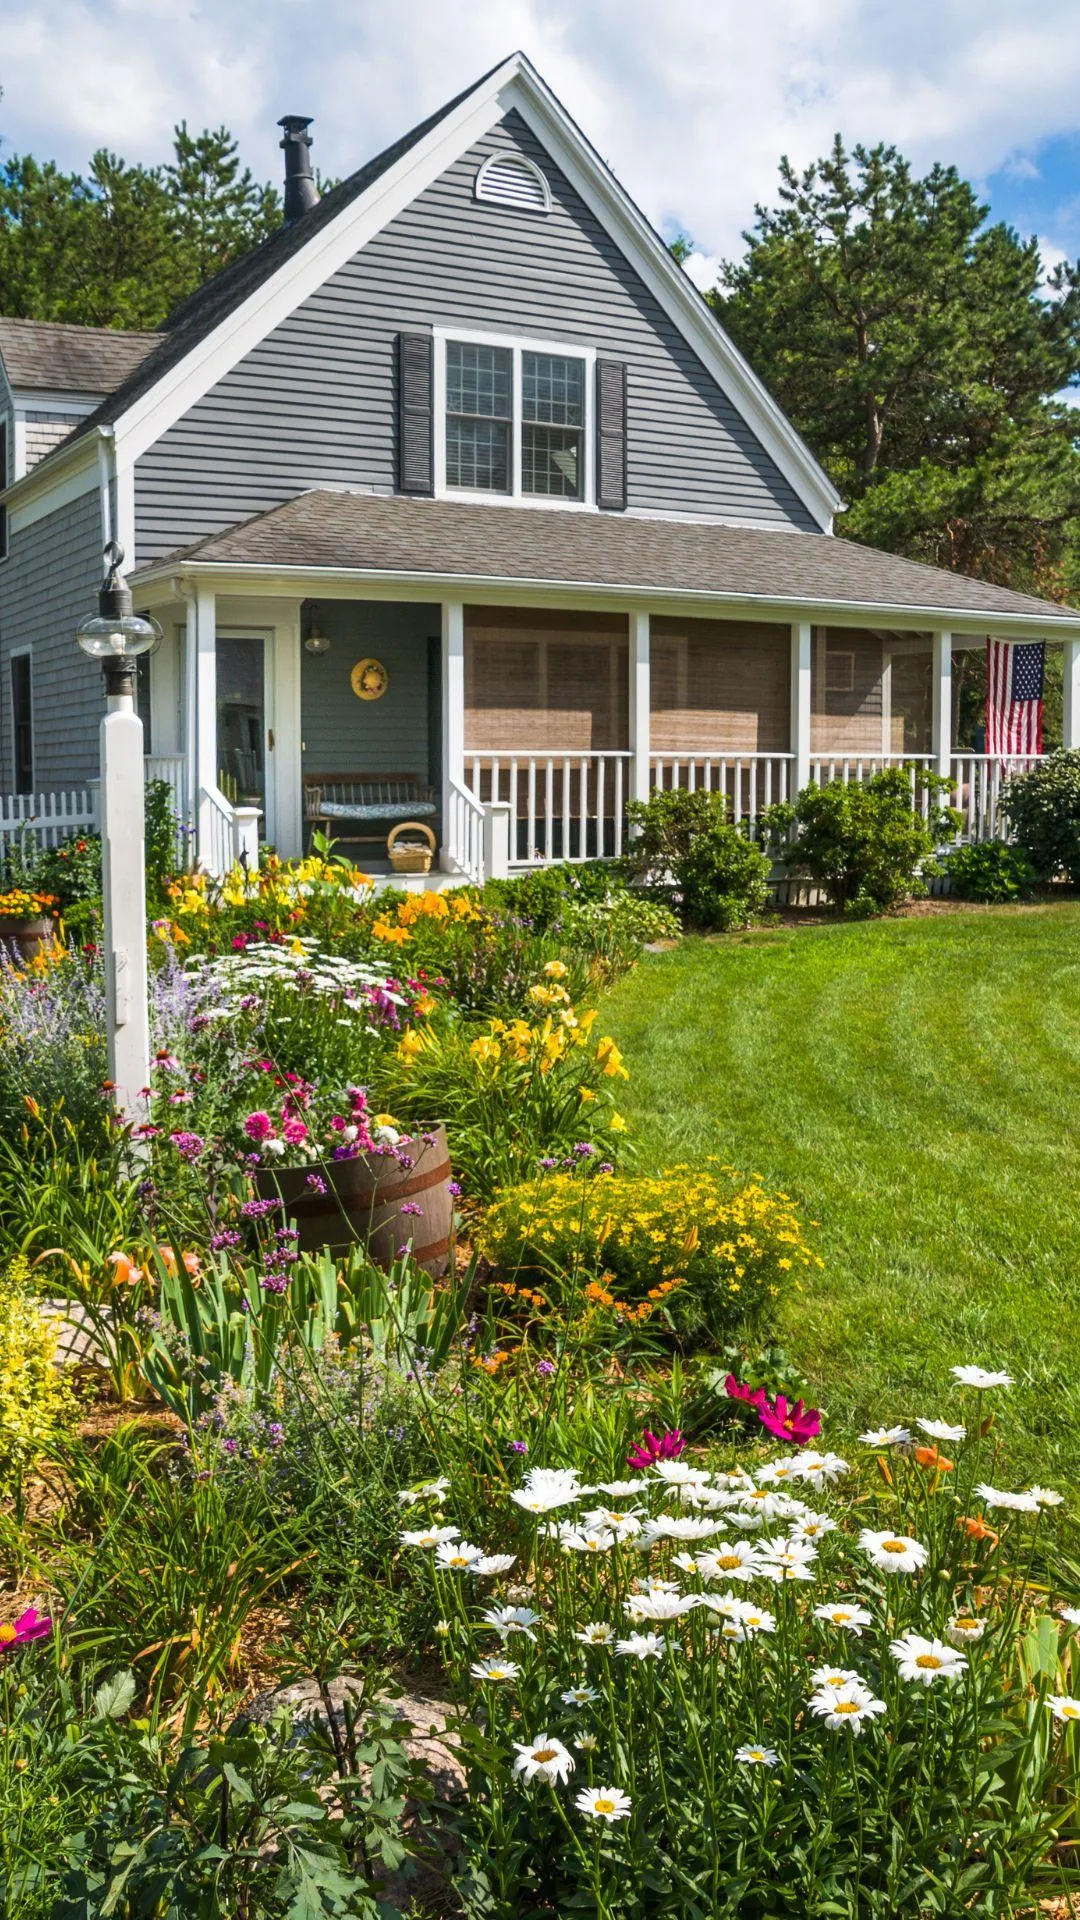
[
  {"x": 1046, "y": 1496},
  {"x": 457, "y": 1555},
  {"x": 980, "y": 1378},
  {"x": 1072, "y": 1615},
  {"x": 845, "y": 1707},
  {"x": 618, "y": 1489},
  {"x": 772, "y": 1506},
  {"x": 677, "y": 1526},
  {"x": 941, "y": 1430},
  {"x": 755, "y": 1619},
  {"x": 836, "y": 1677},
  {"x": 622, "y": 1522},
  {"x": 588, "y": 1743},
  {"x": 600, "y": 1540},
  {"x": 849, "y": 1618},
  {"x": 820, "y": 1469},
  {"x": 658, "y": 1606},
  {"x": 775, "y": 1472},
  {"x": 886, "y": 1437},
  {"x": 544, "y": 1499},
  {"x": 512, "y": 1620},
  {"x": 596, "y": 1634},
  {"x": 813, "y": 1526},
  {"x": 964, "y": 1627},
  {"x": 578, "y": 1696},
  {"x": 893, "y": 1552},
  {"x": 429, "y": 1536},
  {"x": 757, "y": 1756},
  {"x": 641, "y": 1646},
  {"x": 492, "y": 1563},
  {"x": 494, "y": 1669},
  {"x": 737, "y": 1478},
  {"x": 604, "y": 1803},
  {"x": 544, "y": 1758},
  {"x": 731, "y": 1560},
  {"x": 1063, "y": 1708},
  {"x": 1012, "y": 1502},
  {"x": 431, "y": 1490},
  {"x": 690, "y": 1562},
  {"x": 926, "y": 1660},
  {"x": 679, "y": 1473}
]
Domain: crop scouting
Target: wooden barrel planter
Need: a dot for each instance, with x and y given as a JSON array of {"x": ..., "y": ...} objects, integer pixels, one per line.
[
  {"x": 364, "y": 1201},
  {"x": 27, "y": 936}
]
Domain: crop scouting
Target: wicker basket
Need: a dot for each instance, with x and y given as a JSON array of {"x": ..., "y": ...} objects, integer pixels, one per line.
[{"x": 412, "y": 855}]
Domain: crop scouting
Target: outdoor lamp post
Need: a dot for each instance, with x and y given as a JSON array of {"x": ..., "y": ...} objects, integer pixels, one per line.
[{"x": 116, "y": 635}]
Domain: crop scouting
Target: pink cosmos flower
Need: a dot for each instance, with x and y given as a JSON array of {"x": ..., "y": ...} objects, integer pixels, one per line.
[
  {"x": 741, "y": 1390},
  {"x": 653, "y": 1447},
  {"x": 30, "y": 1625},
  {"x": 258, "y": 1126},
  {"x": 797, "y": 1424}
]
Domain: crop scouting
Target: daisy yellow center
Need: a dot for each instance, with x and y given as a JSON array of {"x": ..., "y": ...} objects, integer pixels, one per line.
[
  {"x": 894, "y": 1546},
  {"x": 604, "y": 1806},
  {"x": 966, "y": 1626},
  {"x": 496, "y": 1673},
  {"x": 544, "y": 1755},
  {"x": 756, "y": 1753},
  {"x": 1070, "y": 1713},
  {"x": 845, "y": 1706},
  {"x": 730, "y": 1560},
  {"x": 836, "y": 1679},
  {"x": 838, "y": 1619},
  {"x": 927, "y": 1660},
  {"x": 753, "y": 1619},
  {"x": 7, "y": 1635}
]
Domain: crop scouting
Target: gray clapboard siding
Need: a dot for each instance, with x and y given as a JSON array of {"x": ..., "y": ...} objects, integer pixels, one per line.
[
  {"x": 47, "y": 586},
  {"x": 343, "y": 734},
  {"x": 314, "y": 404}
]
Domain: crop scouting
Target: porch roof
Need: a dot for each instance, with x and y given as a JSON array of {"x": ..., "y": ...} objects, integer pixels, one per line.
[{"x": 375, "y": 538}]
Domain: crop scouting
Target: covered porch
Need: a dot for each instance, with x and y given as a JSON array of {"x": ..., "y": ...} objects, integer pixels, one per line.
[{"x": 529, "y": 712}]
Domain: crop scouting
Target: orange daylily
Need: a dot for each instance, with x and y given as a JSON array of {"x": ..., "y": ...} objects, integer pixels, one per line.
[
  {"x": 125, "y": 1271},
  {"x": 930, "y": 1457},
  {"x": 977, "y": 1529},
  {"x": 192, "y": 1263}
]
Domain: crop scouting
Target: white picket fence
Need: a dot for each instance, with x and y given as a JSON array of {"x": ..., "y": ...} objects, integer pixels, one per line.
[{"x": 45, "y": 820}]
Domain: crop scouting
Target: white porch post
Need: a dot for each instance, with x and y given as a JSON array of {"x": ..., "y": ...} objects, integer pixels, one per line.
[
  {"x": 204, "y": 709},
  {"x": 453, "y": 714},
  {"x": 941, "y": 724},
  {"x": 1070, "y": 676},
  {"x": 801, "y": 644},
  {"x": 123, "y": 887},
  {"x": 640, "y": 704}
]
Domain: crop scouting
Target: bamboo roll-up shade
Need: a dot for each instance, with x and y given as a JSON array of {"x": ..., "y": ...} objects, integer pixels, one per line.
[
  {"x": 911, "y": 689},
  {"x": 720, "y": 685},
  {"x": 846, "y": 692},
  {"x": 545, "y": 682}
]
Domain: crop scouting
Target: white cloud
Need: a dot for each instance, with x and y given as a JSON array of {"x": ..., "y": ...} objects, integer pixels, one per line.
[{"x": 691, "y": 105}]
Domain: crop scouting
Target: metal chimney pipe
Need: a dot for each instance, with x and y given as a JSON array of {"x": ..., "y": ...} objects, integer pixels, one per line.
[{"x": 301, "y": 193}]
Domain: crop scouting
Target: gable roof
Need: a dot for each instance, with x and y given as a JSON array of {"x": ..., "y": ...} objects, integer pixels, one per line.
[
  {"x": 223, "y": 322},
  {"x": 52, "y": 356},
  {"x": 793, "y": 573}
]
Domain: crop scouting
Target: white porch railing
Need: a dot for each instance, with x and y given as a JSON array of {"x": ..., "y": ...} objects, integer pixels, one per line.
[
  {"x": 563, "y": 806},
  {"x": 750, "y": 781},
  {"x": 977, "y": 781},
  {"x": 853, "y": 768},
  {"x": 463, "y": 833}
]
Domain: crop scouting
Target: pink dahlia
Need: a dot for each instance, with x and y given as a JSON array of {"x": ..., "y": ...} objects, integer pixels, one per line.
[{"x": 258, "y": 1126}]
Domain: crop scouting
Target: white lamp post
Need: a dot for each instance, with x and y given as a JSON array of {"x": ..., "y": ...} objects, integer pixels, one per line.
[{"x": 116, "y": 635}]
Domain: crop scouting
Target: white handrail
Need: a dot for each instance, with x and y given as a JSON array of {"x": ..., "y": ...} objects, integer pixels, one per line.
[
  {"x": 216, "y": 832},
  {"x": 463, "y": 832}
]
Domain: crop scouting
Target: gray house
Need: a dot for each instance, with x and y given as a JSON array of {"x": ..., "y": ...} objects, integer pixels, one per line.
[{"x": 454, "y": 491}]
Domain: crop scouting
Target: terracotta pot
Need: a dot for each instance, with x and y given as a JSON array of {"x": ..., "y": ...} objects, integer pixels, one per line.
[
  {"x": 364, "y": 1199},
  {"x": 29, "y": 936}
]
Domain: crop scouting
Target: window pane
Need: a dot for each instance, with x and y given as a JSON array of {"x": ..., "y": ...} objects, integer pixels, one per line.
[
  {"x": 553, "y": 389},
  {"x": 478, "y": 380},
  {"x": 478, "y": 455},
  {"x": 551, "y": 462}
]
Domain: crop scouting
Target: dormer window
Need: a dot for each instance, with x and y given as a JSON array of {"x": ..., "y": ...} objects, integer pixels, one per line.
[
  {"x": 516, "y": 420},
  {"x": 510, "y": 180}
]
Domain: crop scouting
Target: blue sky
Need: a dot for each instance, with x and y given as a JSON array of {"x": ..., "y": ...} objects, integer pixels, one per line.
[{"x": 691, "y": 101}]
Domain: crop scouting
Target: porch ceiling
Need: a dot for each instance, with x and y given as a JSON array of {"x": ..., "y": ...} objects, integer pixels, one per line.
[{"x": 324, "y": 535}]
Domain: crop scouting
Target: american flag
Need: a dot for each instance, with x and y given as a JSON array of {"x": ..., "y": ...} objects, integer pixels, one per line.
[{"x": 1014, "y": 697}]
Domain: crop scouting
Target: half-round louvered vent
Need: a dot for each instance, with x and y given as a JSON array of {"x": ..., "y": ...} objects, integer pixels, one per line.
[{"x": 510, "y": 180}]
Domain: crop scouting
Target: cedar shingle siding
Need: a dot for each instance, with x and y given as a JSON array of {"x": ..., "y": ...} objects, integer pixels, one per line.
[
  {"x": 314, "y": 404},
  {"x": 46, "y": 587}
]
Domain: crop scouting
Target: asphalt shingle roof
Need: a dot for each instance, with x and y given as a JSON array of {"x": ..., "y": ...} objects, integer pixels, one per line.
[
  {"x": 51, "y": 355},
  {"x": 372, "y": 533}
]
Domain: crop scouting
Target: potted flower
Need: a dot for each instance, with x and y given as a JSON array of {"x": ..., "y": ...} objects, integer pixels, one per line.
[{"x": 26, "y": 920}]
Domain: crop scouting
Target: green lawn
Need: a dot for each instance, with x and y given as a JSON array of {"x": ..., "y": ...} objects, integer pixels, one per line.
[{"x": 915, "y": 1084}]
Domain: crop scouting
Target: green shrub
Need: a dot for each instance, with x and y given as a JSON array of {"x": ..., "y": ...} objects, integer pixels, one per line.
[
  {"x": 688, "y": 847},
  {"x": 1043, "y": 808},
  {"x": 722, "y": 1249},
  {"x": 35, "y": 1399},
  {"x": 990, "y": 870},
  {"x": 865, "y": 844}
]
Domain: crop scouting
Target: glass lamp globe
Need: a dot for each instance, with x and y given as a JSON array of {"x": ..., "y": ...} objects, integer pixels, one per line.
[{"x": 117, "y": 636}]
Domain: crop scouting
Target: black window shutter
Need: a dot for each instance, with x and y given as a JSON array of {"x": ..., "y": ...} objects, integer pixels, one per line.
[
  {"x": 610, "y": 433},
  {"x": 416, "y": 461}
]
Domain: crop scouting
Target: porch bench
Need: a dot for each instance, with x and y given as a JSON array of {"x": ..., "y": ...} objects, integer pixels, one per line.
[{"x": 366, "y": 801}]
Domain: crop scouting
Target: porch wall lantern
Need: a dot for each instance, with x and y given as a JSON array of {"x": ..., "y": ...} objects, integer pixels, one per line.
[
  {"x": 116, "y": 635},
  {"x": 315, "y": 640}
]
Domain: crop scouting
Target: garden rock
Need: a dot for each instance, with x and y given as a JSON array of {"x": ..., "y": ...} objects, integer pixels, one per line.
[{"x": 429, "y": 1719}]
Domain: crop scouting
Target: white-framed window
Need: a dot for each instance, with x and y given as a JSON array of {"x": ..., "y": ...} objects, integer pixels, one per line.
[{"x": 514, "y": 419}]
